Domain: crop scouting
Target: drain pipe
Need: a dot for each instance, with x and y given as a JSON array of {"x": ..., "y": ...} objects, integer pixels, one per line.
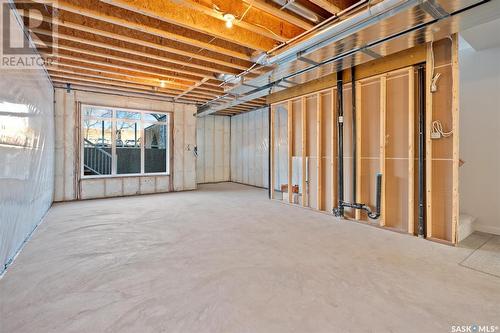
[
  {"x": 270, "y": 151},
  {"x": 421, "y": 151},
  {"x": 339, "y": 211},
  {"x": 354, "y": 134}
]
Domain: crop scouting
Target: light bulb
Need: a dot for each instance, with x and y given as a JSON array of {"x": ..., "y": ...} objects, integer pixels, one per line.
[{"x": 229, "y": 18}]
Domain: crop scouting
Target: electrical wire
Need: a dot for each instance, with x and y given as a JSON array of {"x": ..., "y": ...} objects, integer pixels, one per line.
[
  {"x": 437, "y": 127},
  {"x": 246, "y": 11}
]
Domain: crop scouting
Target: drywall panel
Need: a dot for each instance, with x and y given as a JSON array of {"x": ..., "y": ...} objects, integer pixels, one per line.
[
  {"x": 297, "y": 144},
  {"x": 250, "y": 147},
  {"x": 479, "y": 137},
  {"x": 369, "y": 128},
  {"x": 212, "y": 137},
  {"x": 397, "y": 145},
  {"x": 26, "y": 151},
  {"x": 280, "y": 147},
  {"x": 326, "y": 151},
  {"x": 68, "y": 184},
  {"x": 312, "y": 153}
]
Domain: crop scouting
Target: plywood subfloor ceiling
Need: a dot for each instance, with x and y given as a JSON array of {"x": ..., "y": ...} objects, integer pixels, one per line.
[{"x": 168, "y": 49}]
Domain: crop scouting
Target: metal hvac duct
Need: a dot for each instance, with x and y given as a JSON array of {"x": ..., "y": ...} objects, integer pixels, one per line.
[
  {"x": 385, "y": 28},
  {"x": 339, "y": 30}
]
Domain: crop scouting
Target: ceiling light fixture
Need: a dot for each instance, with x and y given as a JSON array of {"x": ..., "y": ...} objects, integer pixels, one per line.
[{"x": 229, "y": 18}]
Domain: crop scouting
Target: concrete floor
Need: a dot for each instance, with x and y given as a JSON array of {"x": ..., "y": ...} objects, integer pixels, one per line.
[{"x": 226, "y": 259}]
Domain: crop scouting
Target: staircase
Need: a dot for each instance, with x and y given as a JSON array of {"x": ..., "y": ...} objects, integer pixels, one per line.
[{"x": 97, "y": 161}]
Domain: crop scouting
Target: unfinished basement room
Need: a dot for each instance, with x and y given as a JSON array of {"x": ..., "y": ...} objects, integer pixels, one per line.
[{"x": 260, "y": 166}]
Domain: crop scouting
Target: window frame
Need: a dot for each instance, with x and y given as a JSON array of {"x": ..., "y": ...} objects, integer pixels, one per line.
[{"x": 142, "y": 122}]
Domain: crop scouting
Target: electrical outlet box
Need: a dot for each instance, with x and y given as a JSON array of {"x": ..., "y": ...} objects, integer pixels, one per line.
[{"x": 435, "y": 135}]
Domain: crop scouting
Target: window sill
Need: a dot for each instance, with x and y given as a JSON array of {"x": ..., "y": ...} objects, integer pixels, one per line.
[{"x": 126, "y": 175}]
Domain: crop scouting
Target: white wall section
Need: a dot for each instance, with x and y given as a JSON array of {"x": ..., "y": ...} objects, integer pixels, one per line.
[
  {"x": 250, "y": 148},
  {"x": 214, "y": 150},
  {"x": 68, "y": 183},
  {"x": 26, "y": 154},
  {"x": 480, "y": 137}
]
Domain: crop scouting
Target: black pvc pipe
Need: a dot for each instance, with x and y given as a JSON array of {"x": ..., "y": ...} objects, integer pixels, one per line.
[
  {"x": 354, "y": 148},
  {"x": 340, "y": 108},
  {"x": 270, "y": 186},
  {"x": 421, "y": 151}
]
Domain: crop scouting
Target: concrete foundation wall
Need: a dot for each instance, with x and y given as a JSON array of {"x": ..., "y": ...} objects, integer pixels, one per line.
[
  {"x": 250, "y": 148},
  {"x": 68, "y": 183},
  {"x": 214, "y": 150}
]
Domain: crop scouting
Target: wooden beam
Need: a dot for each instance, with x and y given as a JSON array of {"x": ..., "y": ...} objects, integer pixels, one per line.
[
  {"x": 255, "y": 20},
  {"x": 56, "y": 72},
  {"x": 455, "y": 108},
  {"x": 71, "y": 78},
  {"x": 383, "y": 108},
  {"x": 176, "y": 79},
  {"x": 128, "y": 24},
  {"x": 290, "y": 150},
  {"x": 279, "y": 13},
  {"x": 327, "y": 5},
  {"x": 319, "y": 150},
  {"x": 394, "y": 61},
  {"x": 304, "y": 150},
  {"x": 146, "y": 44},
  {"x": 85, "y": 69},
  {"x": 76, "y": 83},
  {"x": 190, "y": 90},
  {"x": 110, "y": 47},
  {"x": 108, "y": 55},
  {"x": 411, "y": 150},
  {"x": 196, "y": 17}
]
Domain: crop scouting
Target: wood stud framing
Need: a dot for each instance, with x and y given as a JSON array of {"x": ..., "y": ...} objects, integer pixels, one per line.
[
  {"x": 386, "y": 131},
  {"x": 304, "y": 150}
]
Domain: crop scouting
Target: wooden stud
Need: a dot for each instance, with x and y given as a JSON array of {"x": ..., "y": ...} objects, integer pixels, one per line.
[
  {"x": 290, "y": 150},
  {"x": 411, "y": 150},
  {"x": 327, "y": 5},
  {"x": 304, "y": 151},
  {"x": 359, "y": 131},
  {"x": 319, "y": 150},
  {"x": 383, "y": 108},
  {"x": 333, "y": 147},
  {"x": 281, "y": 14},
  {"x": 428, "y": 141},
  {"x": 456, "y": 142}
]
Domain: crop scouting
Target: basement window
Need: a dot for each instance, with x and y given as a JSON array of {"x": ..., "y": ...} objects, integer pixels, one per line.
[{"x": 119, "y": 142}]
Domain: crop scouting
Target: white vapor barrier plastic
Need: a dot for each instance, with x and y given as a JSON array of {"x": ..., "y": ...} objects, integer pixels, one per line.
[
  {"x": 212, "y": 140},
  {"x": 250, "y": 148},
  {"x": 26, "y": 154}
]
